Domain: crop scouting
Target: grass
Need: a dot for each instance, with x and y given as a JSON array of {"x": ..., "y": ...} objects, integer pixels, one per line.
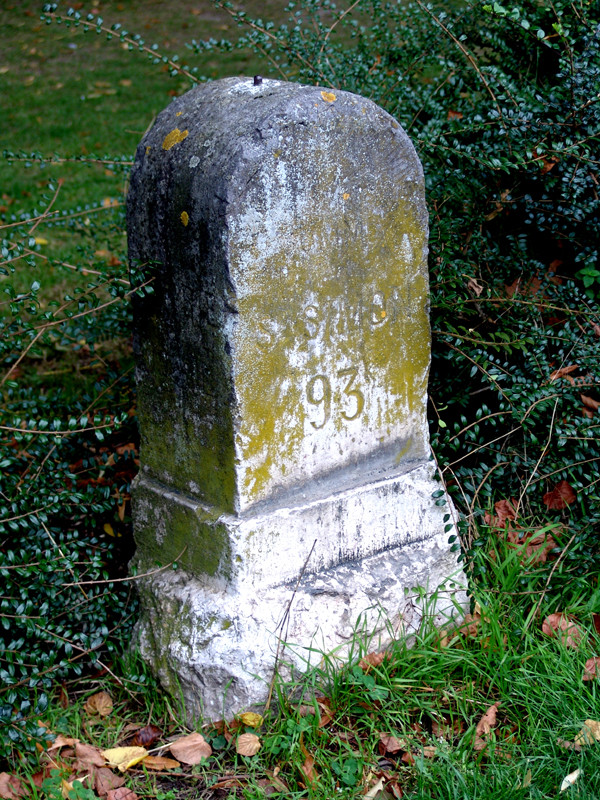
[{"x": 407, "y": 723}]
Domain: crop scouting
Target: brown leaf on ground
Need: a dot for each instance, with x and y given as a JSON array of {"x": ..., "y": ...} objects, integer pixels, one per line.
[
  {"x": 391, "y": 744},
  {"x": 325, "y": 713},
  {"x": 100, "y": 703},
  {"x": 596, "y": 622},
  {"x": 160, "y": 763},
  {"x": 590, "y": 733},
  {"x": 505, "y": 513},
  {"x": 191, "y": 749},
  {"x": 560, "y": 497},
  {"x": 536, "y": 546},
  {"x": 63, "y": 697},
  {"x": 447, "y": 729},
  {"x": 470, "y": 625},
  {"x": 272, "y": 784},
  {"x": 235, "y": 782},
  {"x": 89, "y": 756},
  {"x": 122, "y": 793},
  {"x": 484, "y": 727},
  {"x": 39, "y": 777},
  {"x": 308, "y": 769},
  {"x": 568, "y": 745},
  {"x": 396, "y": 790},
  {"x": 62, "y": 741},
  {"x": 146, "y": 736},
  {"x": 105, "y": 780},
  {"x": 568, "y": 631},
  {"x": 372, "y": 660},
  {"x": 247, "y": 744},
  {"x": 590, "y": 406},
  {"x": 564, "y": 372},
  {"x": 11, "y": 787},
  {"x": 591, "y": 669},
  {"x": 323, "y": 710}
]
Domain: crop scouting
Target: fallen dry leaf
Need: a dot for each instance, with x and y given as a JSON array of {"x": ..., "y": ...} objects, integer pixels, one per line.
[
  {"x": 124, "y": 757},
  {"x": 374, "y": 791},
  {"x": 590, "y": 732},
  {"x": 391, "y": 744},
  {"x": 569, "y": 780},
  {"x": 230, "y": 783},
  {"x": 122, "y": 793},
  {"x": 429, "y": 751},
  {"x": 247, "y": 744},
  {"x": 308, "y": 769},
  {"x": 505, "y": 512},
  {"x": 484, "y": 727},
  {"x": 62, "y": 741},
  {"x": 560, "y": 497},
  {"x": 372, "y": 660},
  {"x": 569, "y": 632},
  {"x": 475, "y": 287},
  {"x": 160, "y": 763},
  {"x": 146, "y": 736},
  {"x": 191, "y": 749},
  {"x": 568, "y": 745},
  {"x": 105, "y": 780},
  {"x": 563, "y": 372},
  {"x": 447, "y": 730},
  {"x": 89, "y": 756},
  {"x": 100, "y": 703},
  {"x": 590, "y": 406},
  {"x": 596, "y": 622},
  {"x": 11, "y": 787},
  {"x": 591, "y": 668},
  {"x": 272, "y": 785},
  {"x": 251, "y": 719}
]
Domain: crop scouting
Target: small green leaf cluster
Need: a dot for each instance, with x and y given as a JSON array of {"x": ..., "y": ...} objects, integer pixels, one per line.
[{"x": 65, "y": 416}]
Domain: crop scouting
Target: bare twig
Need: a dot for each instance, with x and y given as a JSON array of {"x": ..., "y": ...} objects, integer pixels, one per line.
[
  {"x": 285, "y": 623},
  {"x": 545, "y": 589},
  {"x": 130, "y": 578}
]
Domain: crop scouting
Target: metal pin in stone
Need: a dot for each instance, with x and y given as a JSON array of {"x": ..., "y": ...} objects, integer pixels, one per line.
[{"x": 257, "y": 80}]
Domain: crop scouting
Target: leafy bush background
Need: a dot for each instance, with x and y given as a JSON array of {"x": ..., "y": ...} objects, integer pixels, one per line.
[{"x": 502, "y": 105}]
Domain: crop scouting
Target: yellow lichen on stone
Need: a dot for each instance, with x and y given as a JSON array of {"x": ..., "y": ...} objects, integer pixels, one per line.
[
  {"x": 174, "y": 138},
  {"x": 346, "y": 195},
  {"x": 185, "y": 218},
  {"x": 329, "y": 97},
  {"x": 179, "y": 113},
  {"x": 148, "y": 148}
]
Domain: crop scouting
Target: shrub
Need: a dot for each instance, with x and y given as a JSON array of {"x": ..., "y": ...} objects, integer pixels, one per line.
[{"x": 67, "y": 453}]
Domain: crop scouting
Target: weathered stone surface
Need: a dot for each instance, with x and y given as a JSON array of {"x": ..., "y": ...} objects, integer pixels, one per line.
[
  {"x": 282, "y": 362},
  {"x": 217, "y": 649}
]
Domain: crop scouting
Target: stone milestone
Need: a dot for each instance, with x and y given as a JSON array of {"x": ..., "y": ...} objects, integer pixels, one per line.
[{"x": 282, "y": 349}]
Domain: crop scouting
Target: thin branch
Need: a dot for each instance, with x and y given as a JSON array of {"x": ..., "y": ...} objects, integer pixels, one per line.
[
  {"x": 284, "y": 620},
  {"x": 130, "y": 578}
]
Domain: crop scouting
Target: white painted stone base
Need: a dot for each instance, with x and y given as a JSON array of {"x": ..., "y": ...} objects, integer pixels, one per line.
[{"x": 216, "y": 647}]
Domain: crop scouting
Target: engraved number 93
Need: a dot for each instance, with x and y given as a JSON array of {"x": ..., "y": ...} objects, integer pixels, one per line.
[{"x": 318, "y": 393}]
